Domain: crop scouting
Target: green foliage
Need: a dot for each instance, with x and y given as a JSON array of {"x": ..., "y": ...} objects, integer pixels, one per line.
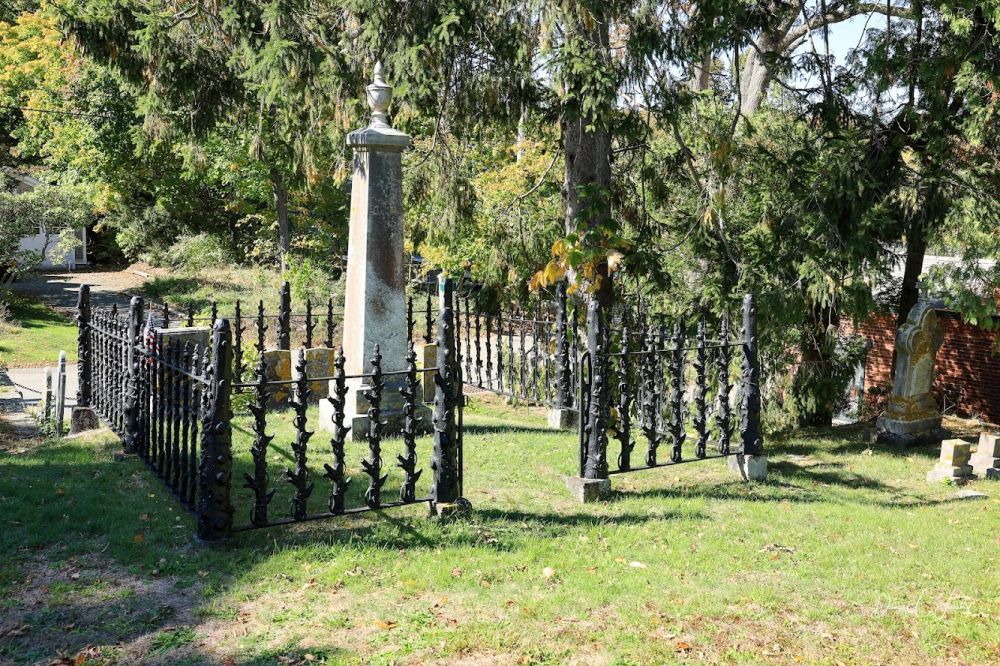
[{"x": 198, "y": 252}]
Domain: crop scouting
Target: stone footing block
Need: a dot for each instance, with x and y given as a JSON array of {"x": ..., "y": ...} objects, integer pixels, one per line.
[
  {"x": 959, "y": 475},
  {"x": 82, "y": 419},
  {"x": 561, "y": 418},
  {"x": 587, "y": 491},
  {"x": 457, "y": 509},
  {"x": 751, "y": 468},
  {"x": 953, "y": 464},
  {"x": 986, "y": 460}
]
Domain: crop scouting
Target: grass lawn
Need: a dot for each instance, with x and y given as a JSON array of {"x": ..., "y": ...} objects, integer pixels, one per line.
[
  {"x": 189, "y": 288},
  {"x": 843, "y": 557},
  {"x": 36, "y": 332}
]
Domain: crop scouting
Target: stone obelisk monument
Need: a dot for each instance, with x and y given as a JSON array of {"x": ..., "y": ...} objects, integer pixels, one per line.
[{"x": 375, "y": 300}]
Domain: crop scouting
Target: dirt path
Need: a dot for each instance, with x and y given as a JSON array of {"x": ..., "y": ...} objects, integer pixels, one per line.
[{"x": 59, "y": 289}]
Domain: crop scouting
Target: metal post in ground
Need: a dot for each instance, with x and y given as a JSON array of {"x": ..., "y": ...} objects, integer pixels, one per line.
[
  {"x": 751, "y": 461},
  {"x": 594, "y": 484},
  {"x": 562, "y": 415},
  {"x": 214, "y": 508},
  {"x": 446, "y": 494},
  {"x": 83, "y": 416}
]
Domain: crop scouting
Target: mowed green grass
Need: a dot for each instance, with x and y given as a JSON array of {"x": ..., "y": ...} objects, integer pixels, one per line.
[
  {"x": 38, "y": 330},
  {"x": 840, "y": 557}
]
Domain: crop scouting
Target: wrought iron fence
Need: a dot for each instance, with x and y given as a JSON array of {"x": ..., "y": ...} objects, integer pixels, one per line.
[
  {"x": 171, "y": 403},
  {"x": 669, "y": 390}
]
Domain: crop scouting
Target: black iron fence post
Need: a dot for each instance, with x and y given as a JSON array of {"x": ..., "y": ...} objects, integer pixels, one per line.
[
  {"x": 564, "y": 389},
  {"x": 84, "y": 390},
  {"x": 133, "y": 340},
  {"x": 596, "y": 460},
  {"x": 750, "y": 434},
  {"x": 215, "y": 510},
  {"x": 445, "y": 459},
  {"x": 285, "y": 317}
]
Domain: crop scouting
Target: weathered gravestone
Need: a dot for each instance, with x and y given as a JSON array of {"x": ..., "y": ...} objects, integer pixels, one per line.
[
  {"x": 986, "y": 460},
  {"x": 953, "y": 465},
  {"x": 912, "y": 416},
  {"x": 375, "y": 301},
  {"x": 278, "y": 368}
]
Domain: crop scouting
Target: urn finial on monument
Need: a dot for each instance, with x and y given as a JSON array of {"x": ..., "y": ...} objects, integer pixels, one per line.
[{"x": 379, "y": 135}]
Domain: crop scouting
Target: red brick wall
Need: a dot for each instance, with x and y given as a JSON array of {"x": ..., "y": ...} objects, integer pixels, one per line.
[{"x": 967, "y": 364}]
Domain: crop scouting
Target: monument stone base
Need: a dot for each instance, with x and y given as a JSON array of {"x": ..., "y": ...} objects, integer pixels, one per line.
[
  {"x": 588, "y": 491},
  {"x": 751, "y": 468},
  {"x": 390, "y": 410},
  {"x": 953, "y": 465},
  {"x": 82, "y": 419},
  {"x": 909, "y": 424},
  {"x": 986, "y": 460},
  {"x": 561, "y": 418}
]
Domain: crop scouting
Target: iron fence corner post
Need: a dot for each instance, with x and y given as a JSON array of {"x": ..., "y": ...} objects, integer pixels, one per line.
[
  {"x": 596, "y": 461},
  {"x": 285, "y": 317},
  {"x": 132, "y": 404},
  {"x": 84, "y": 367},
  {"x": 750, "y": 433},
  {"x": 215, "y": 509},
  {"x": 445, "y": 457}
]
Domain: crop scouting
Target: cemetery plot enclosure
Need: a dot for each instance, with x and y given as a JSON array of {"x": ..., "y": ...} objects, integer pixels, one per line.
[
  {"x": 652, "y": 390},
  {"x": 168, "y": 393}
]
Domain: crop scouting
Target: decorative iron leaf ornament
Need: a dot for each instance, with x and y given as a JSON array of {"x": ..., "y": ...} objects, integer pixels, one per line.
[
  {"x": 299, "y": 477},
  {"x": 373, "y": 465},
  {"x": 258, "y": 481},
  {"x": 700, "y": 392},
  {"x": 408, "y": 462},
  {"x": 336, "y": 472}
]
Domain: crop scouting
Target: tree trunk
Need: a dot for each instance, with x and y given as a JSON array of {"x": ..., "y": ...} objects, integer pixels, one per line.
[
  {"x": 755, "y": 77},
  {"x": 916, "y": 248},
  {"x": 587, "y": 149},
  {"x": 587, "y": 185},
  {"x": 281, "y": 211}
]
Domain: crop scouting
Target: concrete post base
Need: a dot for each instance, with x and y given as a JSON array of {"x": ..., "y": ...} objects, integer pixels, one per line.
[
  {"x": 561, "y": 418},
  {"x": 588, "y": 491},
  {"x": 751, "y": 468},
  {"x": 82, "y": 419},
  {"x": 444, "y": 510}
]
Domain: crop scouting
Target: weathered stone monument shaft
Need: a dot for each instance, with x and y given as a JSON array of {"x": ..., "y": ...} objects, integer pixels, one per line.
[{"x": 375, "y": 300}]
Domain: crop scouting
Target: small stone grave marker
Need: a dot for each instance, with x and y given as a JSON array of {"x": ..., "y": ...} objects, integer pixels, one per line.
[
  {"x": 953, "y": 464},
  {"x": 986, "y": 460}
]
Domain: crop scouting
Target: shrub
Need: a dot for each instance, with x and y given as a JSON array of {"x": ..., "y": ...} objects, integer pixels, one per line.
[{"x": 198, "y": 252}]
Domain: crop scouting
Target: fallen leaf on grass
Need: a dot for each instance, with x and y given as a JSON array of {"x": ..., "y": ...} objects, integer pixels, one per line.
[
  {"x": 456, "y": 572},
  {"x": 682, "y": 646},
  {"x": 385, "y": 624}
]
